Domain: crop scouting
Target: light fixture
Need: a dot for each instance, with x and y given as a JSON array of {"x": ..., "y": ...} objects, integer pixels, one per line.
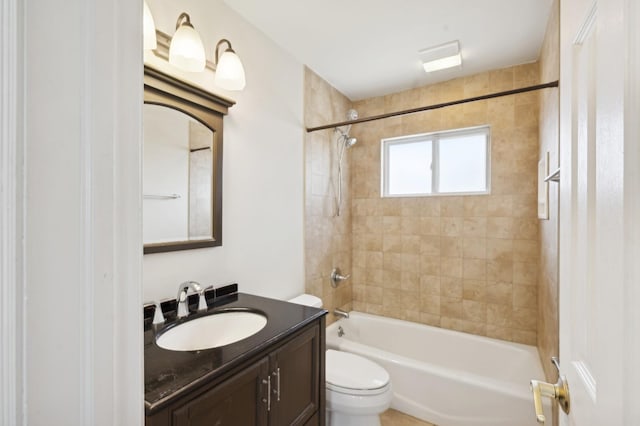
[
  {"x": 149, "y": 29},
  {"x": 186, "y": 50},
  {"x": 441, "y": 57},
  {"x": 228, "y": 67}
]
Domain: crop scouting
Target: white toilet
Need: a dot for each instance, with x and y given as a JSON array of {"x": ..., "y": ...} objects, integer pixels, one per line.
[{"x": 358, "y": 390}]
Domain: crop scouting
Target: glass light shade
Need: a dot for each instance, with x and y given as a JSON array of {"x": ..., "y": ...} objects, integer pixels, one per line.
[
  {"x": 230, "y": 72},
  {"x": 186, "y": 50},
  {"x": 149, "y": 29}
]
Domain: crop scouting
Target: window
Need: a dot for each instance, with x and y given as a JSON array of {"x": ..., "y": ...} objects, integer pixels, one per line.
[{"x": 452, "y": 162}]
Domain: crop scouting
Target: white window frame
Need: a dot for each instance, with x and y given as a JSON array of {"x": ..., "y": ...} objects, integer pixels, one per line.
[{"x": 434, "y": 138}]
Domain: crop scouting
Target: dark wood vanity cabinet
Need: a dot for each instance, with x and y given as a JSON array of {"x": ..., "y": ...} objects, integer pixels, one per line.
[
  {"x": 236, "y": 401},
  {"x": 283, "y": 386},
  {"x": 295, "y": 376}
]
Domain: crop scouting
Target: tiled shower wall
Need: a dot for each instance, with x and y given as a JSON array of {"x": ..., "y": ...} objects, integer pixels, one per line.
[
  {"x": 327, "y": 236},
  {"x": 468, "y": 263},
  {"x": 549, "y": 133}
]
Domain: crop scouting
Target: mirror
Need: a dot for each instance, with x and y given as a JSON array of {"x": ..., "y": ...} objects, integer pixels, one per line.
[{"x": 182, "y": 166}]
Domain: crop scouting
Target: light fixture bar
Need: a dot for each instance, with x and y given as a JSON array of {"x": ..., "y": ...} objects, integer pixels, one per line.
[
  {"x": 441, "y": 57},
  {"x": 162, "y": 49}
]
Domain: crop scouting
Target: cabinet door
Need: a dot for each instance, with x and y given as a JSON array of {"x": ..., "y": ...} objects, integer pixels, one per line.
[
  {"x": 236, "y": 401},
  {"x": 295, "y": 376}
]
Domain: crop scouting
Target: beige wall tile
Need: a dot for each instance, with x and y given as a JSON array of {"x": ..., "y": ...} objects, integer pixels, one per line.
[
  {"x": 525, "y": 273},
  {"x": 430, "y": 304},
  {"x": 500, "y": 227},
  {"x": 451, "y": 226},
  {"x": 523, "y": 336},
  {"x": 430, "y": 226},
  {"x": 451, "y": 246},
  {"x": 430, "y": 265},
  {"x": 499, "y": 249},
  {"x": 500, "y": 206},
  {"x": 525, "y": 296},
  {"x": 474, "y": 248},
  {"x": 499, "y": 315},
  {"x": 452, "y": 207},
  {"x": 474, "y": 227},
  {"x": 430, "y": 245},
  {"x": 474, "y": 269},
  {"x": 430, "y": 285},
  {"x": 500, "y": 270},
  {"x": 391, "y": 243},
  {"x": 451, "y": 267},
  {"x": 451, "y": 287},
  {"x": 474, "y": 311},
  {"x": 474, "y": 290},
  {"x": 469, "y": 263},
  {"x": 451, "y": 307},
  {"x": 500, "y": 293}
]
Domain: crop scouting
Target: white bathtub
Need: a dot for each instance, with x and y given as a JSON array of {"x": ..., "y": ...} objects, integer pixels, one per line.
[{"x": 443, "y": 376}]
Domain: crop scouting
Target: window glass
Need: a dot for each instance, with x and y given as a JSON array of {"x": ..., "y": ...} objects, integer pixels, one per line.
[
  {"x": 451, "y": 162},
  {"x": 463, "y": 161},
  {"x": 409, "y": 168}
]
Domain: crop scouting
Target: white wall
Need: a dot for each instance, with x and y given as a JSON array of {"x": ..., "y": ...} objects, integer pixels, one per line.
[{"x": 263, "y": 199}]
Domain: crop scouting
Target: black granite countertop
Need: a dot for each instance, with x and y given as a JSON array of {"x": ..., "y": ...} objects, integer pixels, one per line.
[{"x": 171, "y": 374}]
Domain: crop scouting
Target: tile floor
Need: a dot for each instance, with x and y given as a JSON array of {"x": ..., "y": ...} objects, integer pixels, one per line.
[{"x": 396, "y": 418}]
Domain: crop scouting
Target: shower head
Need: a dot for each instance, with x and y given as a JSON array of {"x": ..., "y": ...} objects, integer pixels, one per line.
[
  {"x": 352, "y": 114},
  {"x": 349, "y": 142}
]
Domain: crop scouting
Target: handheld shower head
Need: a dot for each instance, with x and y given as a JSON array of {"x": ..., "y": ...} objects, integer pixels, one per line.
[
  {"x": 352, "y": 114},
  {"x": 349, "y": 142}
]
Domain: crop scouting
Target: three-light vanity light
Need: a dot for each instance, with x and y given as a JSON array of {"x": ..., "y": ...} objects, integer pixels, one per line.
[{"x": 185, "y": 51}]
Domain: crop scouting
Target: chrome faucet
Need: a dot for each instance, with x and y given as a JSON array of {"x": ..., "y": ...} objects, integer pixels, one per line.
[
  {"x": 183, "y": 289},
  {"x": 340, "y": 313}
]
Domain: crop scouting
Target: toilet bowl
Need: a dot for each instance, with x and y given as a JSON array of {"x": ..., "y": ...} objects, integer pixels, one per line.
[{"x": 358, "y": 390}]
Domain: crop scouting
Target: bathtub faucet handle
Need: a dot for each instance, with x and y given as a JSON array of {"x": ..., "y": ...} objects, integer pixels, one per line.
[{"x": 337, "y": 277}]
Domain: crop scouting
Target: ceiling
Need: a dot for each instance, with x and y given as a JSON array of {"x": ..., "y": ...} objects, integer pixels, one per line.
[{"x": 368, "y": 48}]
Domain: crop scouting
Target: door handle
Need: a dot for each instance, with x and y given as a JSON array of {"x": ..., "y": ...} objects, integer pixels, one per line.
[
  {"x": 558, "y": 391},
  {"x": 276, "y": 391},
  {"x": 268, "y": 399}
]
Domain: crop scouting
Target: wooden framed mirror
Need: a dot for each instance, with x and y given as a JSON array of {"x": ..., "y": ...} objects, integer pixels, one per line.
[{"x": 182, "y": 164}]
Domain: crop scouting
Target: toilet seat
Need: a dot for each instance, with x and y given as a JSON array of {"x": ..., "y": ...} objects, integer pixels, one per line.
[{"x": 351, "y": 374}]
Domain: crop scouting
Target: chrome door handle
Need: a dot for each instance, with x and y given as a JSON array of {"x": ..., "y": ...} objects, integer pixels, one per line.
[
  {"x": 276, "y": 391},
  {"x": 268, "y": 399}
]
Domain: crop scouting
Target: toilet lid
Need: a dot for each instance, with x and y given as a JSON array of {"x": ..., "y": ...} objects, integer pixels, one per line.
[{"x": 350, "y": 371}]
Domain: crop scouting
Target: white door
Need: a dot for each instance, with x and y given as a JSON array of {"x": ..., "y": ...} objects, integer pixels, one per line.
[{"x": 599, "y": 196}]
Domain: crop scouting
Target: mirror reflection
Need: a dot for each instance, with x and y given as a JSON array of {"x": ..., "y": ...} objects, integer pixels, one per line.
[
  {"x": 178, "y": 176},
  {"x": 182, "y": 166}
]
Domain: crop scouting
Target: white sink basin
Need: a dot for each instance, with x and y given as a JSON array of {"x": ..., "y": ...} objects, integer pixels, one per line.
[{"x": 212, "y": 331}]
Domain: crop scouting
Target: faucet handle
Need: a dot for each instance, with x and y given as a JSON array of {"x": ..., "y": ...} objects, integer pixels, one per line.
[
  {"x": 158, "y": 317},
  {"x": 337, "y": 277},
  {"x": 202, "y": 302}
]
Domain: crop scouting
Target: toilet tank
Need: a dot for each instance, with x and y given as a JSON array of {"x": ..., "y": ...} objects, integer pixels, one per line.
[{"x": 307, "y": 300}]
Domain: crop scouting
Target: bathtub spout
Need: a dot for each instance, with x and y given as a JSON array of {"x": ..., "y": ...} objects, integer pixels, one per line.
[{"x": 341, "y": 313}]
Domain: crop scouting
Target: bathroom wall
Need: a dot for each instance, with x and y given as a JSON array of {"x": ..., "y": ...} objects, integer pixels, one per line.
[
  {"x": 327, "y": 236},
  {"x": 548, "y": 274},
  {"x": 466, "y": 263},
  {"x": 263, "y": 198}
]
